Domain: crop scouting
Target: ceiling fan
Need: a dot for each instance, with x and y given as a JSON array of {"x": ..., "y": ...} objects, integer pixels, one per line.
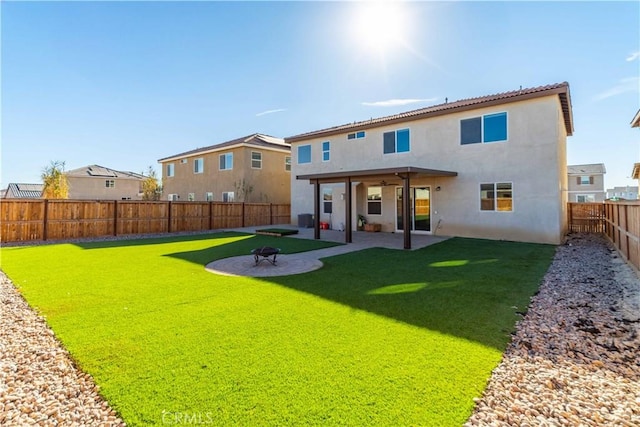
[{"x": 384, "y": 183}]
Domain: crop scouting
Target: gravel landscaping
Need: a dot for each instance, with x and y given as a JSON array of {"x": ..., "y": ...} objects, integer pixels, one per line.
[{"x": 573, "y": 360}]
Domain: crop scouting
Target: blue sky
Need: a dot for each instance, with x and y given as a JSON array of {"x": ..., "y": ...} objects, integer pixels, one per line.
[{"x": 122, "y": 84}]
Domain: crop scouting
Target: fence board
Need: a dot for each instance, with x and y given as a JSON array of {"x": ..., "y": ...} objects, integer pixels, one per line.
[{"x": 21, "y": 220}]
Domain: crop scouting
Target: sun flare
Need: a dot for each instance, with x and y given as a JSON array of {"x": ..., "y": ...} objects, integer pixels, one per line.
[{"x": 379, "y": 26}]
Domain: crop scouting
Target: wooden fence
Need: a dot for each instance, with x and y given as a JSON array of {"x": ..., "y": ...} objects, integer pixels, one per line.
[
  {"x": 619, "y": 221},
  {"x": 31, "y": 220}
]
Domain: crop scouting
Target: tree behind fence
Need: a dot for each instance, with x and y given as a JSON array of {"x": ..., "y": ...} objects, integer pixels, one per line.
[{"x": 32, "y": 220}]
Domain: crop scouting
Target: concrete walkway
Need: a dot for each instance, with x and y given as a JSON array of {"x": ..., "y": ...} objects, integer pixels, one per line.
[{"x": 304, "y": 262}]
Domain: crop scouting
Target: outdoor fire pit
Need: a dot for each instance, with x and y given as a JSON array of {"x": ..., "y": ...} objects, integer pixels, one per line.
[{"x": 265, "y": 253}]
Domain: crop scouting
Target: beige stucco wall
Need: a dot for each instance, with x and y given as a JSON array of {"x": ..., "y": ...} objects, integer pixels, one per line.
[
  {"x": 270, "y": 184},
  {"x": 596, "y": 189},
  {"x": 533, "y": 159},
  {"x": 94, "y": 188}
]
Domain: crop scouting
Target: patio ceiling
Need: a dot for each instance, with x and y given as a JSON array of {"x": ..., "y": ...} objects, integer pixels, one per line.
[{"x": 375, "y": 174}]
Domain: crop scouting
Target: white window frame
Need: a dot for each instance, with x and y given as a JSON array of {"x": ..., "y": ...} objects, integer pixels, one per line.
[
  {"x": 228, "y": 161},
  {"x": 356, "y": 135},
  {"x": 326, "y": 153},
  {"x": 287, "y": 163},
  {"x": 208, "y": 196},
  {"x": 228, "y": 196},
  {"x": 495, "y": 196},
  {"x": 191, "y": 197},
  {"x": 110, "y": 183},
  {"x": 591, "y": 197},
  {"x": 377, "y": 201},
  {"x": 259, "y": 160},
  {"x": 198, "y": 165},
  {"x": 310, "y": 154},
  {"x": 171, "y": 170},
  {"x": 327, "y": 198},
  {"x": 173, "y": 197}
]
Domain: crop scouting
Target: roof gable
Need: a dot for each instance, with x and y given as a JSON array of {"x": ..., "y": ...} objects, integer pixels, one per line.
[
  {"x": 24, "y": 191},
  {"x": 559, "y": 89}
]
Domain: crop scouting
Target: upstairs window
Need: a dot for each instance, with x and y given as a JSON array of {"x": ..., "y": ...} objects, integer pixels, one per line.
[
  {"x": 287, "y": 163},
  {"x": 109, "y": 183},
  {"x": 374, "y": 201},
  {"x": 191, "y": 197},
  {"x": 198, "y": 165},
  {"x": 396, "y": 141},
  {"x": 487, "y": 128},
  {"x": 356, "y": 135},
  {"x": 171, "y": 170},
  {"x": 585, "y": 180},
  {"x": 326, "y": 151},
  {"x": 208, "y": 196},
  {"x": 304, "y": 154},
  {"x": 496, "y": 197},
  {"x": 226, "y": 161},
  {"x": 256, "y": 160}
]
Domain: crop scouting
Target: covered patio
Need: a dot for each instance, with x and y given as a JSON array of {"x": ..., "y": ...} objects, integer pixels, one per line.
[{"x": 405, "y": 173}]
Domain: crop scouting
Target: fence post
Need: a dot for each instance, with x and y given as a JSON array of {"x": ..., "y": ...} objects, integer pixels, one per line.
[
  {"x": 270, "y": 213},
  {"x": 169, "y": 218},
  {"x": 45, "y": 219},
  {"x": 242, "y": 214}
]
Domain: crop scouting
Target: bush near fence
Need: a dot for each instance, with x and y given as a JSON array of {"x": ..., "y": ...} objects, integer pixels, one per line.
[
  {"x": 619, "y": 221},
  {"x": 33, "y": 220}
]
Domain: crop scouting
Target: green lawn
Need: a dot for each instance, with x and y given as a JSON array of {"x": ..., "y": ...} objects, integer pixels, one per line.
[{"x": 377, "y": 337}]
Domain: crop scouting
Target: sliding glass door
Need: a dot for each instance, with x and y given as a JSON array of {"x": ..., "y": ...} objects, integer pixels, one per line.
[{"x": 420, "y": 204}]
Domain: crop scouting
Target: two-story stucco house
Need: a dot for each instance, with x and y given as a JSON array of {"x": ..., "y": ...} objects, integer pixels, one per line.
[
  {"x": 490, "y": 167},
  {"x": 95, "y": 182},
  {"x": 254, "y": 168},
  {"x": 586, "y": 183},
  {"x": 635, "y": 172}
]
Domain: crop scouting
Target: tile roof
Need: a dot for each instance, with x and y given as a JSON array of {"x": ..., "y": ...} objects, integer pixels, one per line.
[
  {"x": 257, "y": 140},
  {"x": 102, "y": 172},
  {"x": 561, "y": 89},
  {"x": 595, "y": 168},
  {"x": 24, "y": 191}
]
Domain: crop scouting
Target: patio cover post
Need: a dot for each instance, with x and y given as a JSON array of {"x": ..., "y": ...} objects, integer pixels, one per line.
[
  {"x": 406, "y": 217},
  {"x": 348, "y": 238},
  {"x": 316, "y": 209}
]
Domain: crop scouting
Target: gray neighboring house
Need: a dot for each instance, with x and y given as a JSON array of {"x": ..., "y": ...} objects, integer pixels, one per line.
[
  {"x": 635, "y": 173},
  {"x": 96, "y": 182},
  {"x": 622, "y": 193},
  {"x": 23, "y": 191},
  {"x": 586, "y": 183}
]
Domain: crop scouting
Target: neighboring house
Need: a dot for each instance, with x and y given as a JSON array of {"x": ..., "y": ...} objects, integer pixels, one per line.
[
  {"x": 622, "y": 193},
  {"x": 586, "y": 183},
  {"x": 255, "y": 168},
  {"x": 491, "y": 167},
  {"x": 635, "y": 173},
  {"x": 23, "y": 191},
  {"x": 100, "y": 183}
]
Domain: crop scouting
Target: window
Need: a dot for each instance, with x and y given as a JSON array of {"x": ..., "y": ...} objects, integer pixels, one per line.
[
  {"x": 304, "y": 154},
  {"x": 488, "y": 128},
  {"x": 172, "y": 197},
  {"x": 109, "y": 183},
  {"x": 191, "y": 197},
  {"x": 356, "y": 135},
  {"x": 226, "y": 161},
  {"x": 326, "y": 151},
  {"x": 208, "y": 196},
  {"x": 396, "y": 141},
  {"x": 287, "y": 163},
  {"x": 496, "y": 197},
  {"x": 198, "y": 165},
  {"x": 586, "y": 198},
  {"x": 171, "y": 169},
  {"x": 227, "y": 196},
  {"x": 585, "y": 180},
  {"x": 374, "y": 201},
  {"x": 327, "y": 198},
  {"x": 183, "y": 161},
  {"x": 256, "y": 160}
]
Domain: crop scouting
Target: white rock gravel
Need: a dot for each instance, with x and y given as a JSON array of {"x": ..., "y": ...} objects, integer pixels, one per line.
[
  {"x": 39, "y": 383},
  {"x": 574, "y": 359}
]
